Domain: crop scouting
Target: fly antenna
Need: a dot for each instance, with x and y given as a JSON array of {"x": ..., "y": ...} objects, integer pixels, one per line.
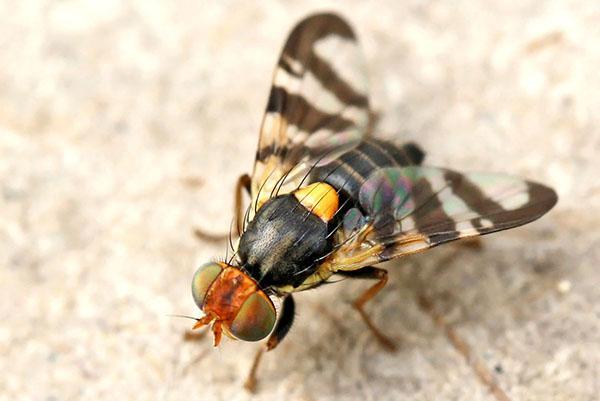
[{"x": 185, "y": 317}]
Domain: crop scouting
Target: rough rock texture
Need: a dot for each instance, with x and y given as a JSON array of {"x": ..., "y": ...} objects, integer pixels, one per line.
[{"x": 123, "y": 126}]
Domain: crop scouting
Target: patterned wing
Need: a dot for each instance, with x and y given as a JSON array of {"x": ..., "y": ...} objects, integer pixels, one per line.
[
  {"x": 317, "y": 108},
  {"x": 409, "y": 209}
]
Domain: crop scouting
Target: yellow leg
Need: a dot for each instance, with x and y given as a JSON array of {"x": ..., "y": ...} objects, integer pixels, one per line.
[
  {"x": 243, "y": 183},
  {"x": 284, "y": 323},
  {"x": 194, "y": 335},
  {"x": 471, "y": 243},
  {"x": 250, "y": 383},
  {"x": 463, "y": 348},
  {"x": 382, "y": 276}
]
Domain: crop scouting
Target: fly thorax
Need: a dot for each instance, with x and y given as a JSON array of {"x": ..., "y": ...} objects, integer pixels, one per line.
[{"x": 283, "y": 243}]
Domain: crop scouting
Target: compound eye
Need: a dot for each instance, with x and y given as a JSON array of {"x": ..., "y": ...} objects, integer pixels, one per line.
[
  {"x": 203, "y": 278},
  {"x": 255, "y": 319}
]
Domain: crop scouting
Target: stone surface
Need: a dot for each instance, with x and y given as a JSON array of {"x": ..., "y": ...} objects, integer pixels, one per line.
[{"x": 123, "y": 125}]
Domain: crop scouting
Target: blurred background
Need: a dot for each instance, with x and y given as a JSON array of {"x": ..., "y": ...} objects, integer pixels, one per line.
[{"x": 124, "y": 124}]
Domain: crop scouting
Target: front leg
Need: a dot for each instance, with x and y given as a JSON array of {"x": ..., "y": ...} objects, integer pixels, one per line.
[
  {"x": 283, "y": 326},
  {"x": 243, "y": 183},
  {"x": 373, "y": 273}
]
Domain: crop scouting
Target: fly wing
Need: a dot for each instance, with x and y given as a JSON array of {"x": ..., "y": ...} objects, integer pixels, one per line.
[
  {"x": 317, "y": 108},
  {"x": 410, "y": 209}
]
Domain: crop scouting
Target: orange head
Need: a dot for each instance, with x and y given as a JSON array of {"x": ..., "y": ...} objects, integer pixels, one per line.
[{"x": 232, "y": 302}]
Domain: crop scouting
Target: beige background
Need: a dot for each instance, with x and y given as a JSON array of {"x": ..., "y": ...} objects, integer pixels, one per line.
[{"x": 123, "y": 125}]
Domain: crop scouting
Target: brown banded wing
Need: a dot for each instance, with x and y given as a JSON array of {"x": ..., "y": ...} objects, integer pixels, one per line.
[
  {"x": 317, "y": 108},
  {"x": 403, "y": 210}
]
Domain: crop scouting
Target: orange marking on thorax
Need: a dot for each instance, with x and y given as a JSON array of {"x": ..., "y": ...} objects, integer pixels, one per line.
[{"x": 320, "y": 198}]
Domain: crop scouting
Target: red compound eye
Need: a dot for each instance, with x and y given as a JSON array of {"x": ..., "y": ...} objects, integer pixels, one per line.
[
  {"x": 203, "y": 279},
  {"x": 255, "y": 319}
]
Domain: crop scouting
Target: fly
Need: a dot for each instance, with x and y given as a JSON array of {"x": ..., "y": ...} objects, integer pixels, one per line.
[{"x": 327, "y": 199}]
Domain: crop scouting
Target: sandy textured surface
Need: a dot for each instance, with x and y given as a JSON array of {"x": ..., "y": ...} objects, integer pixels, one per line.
[{"x": 124, "y": 125}]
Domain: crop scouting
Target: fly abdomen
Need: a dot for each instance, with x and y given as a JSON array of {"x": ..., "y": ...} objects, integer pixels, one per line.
[{"x": 348, "y": 172}]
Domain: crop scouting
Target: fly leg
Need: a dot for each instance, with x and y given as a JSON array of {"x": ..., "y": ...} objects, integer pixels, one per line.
[
  {"x": 281, "y": 329},
  {"x": 473, "y": 243},
  {"x": 372, "y": 273},
  {"x": 463, "y": 348},
  {"x": 194, "y": 335},
  {"x": 243, "y": 183},
  {"x": 427, "y": 304}
]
